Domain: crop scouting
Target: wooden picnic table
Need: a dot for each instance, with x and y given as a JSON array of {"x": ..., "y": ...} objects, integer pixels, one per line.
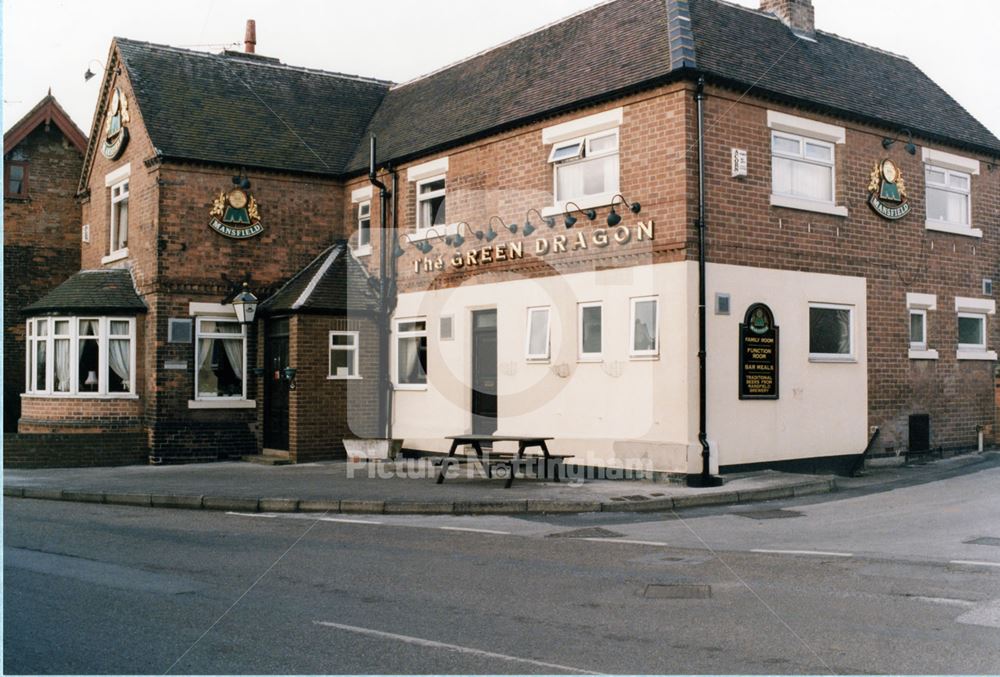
[{"x": 506, "y": 460}]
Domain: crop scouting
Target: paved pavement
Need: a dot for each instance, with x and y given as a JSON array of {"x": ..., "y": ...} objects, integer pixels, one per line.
[{"x": 897, "y": 574}]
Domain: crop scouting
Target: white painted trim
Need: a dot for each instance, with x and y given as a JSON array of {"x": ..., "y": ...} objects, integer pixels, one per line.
[
  {"x": 807, "y": 205},
  {"x": 921, "y": 301},
  {"x": 197, "y": 308},
  {"x": 355, "y": 349},
  {"x": 363, "y": 250},
  {"x": 964, "y": 304},
  {"x": 80, "y": 396},
  {"x": 632, "y": 352},
  {"x": 939, "y": 158},
  {"x": 923, "y": 354},
  {"x": 361, "y": 194},
  {"x": 311, "y": 287},
  {"x": 943, "y": 227},
  {"x": 582, "y": 126},
  {"x": 117, "y": 175},
  {"x": 427, "y": 169},
  {"x": 115, "y": 256},
  {"x": 222, "y": 404},
  {"x": 811, "y": 128},
  {"x": 851, "y": 356},
  {"x": 984, "y": 355}
]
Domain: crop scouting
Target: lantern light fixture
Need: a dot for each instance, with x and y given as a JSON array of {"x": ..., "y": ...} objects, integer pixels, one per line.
[{"x": 245, "y": 305}]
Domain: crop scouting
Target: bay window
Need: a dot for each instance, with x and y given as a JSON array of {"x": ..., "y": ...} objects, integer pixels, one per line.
[
  {"x": 83, "y": 356},
  {"x": 220, "y": 359}
]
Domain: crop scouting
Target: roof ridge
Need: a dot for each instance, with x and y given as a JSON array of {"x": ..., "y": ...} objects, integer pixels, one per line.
[
  {"x": 503, "y": 44},
  {"x": 300, "y": 272},
  {"x": 337, "y": 250},
  {"x": 229, "y": 55}
]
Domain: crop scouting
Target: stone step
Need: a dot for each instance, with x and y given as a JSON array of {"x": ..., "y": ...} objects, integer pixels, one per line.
[{"x": 267, "y": 459}]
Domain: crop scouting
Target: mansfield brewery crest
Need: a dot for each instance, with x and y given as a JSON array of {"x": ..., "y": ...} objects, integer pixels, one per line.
[
  {"x": 115, "y": 131},
  {"x": 887, "y": 192},
  {"x": 234, "y": 213}
]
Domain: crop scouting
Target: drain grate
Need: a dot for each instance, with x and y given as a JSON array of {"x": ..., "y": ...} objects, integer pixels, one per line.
[
  {"x": 677, "y": 591},
  {"x": 769, "y": 514},
  {"x": 587, "y": 532},
  {"x": 984, "y": 540}
]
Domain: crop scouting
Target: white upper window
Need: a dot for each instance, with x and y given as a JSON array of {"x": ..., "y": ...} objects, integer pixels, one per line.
[
  {"x": 591, "y": 331},
  {"x": 831, "y": 332},
  {"x": 537, "y": 339},
  {"x": 802, "y": 167},
  {"x": 431, "y": 210},
  {"x": 344, "y": 356},
  {"x": 364, "y": 227},
  {"x": 586, "y": 168},
  {"x": 119, "y": 216},
  {"x": 220, "y": 359},
  {"x": 948, "y": 181},
  {"x": 644, "y": 327},
  {"x": 82, "y": 356}
]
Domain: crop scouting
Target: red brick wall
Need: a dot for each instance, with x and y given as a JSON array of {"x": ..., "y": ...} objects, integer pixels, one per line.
[
  {"x": 77, "y": 450},
  {"x": 322, "y": 411},
  {"x": 41, "y": 245}
]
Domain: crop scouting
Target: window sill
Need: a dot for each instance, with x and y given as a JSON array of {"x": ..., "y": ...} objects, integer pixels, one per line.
[
  {"x": 538, "y": 360},
  {"x": 82, "y": 396},
  {"x": 409, "y": 386},
  {"x": 432, "y": 232},
  {"x": 942, "y": 227},
  {"x": 983, "y": 355},
  {"x": 222, "y": 404},
  {"x": 344, "y": 378},
  {"x": 115, "y": 256},
  {"x": 923, "y": 354},
  {"x": 644, "y": 357},
  {"x": 589, "y": 202},
  {"x": 807, "y": 205},
  {"x": 591, "y": 360},
  {"x": 363, "y": 250},
  {"x": 17, "y": 198},
  {"x": 833, "y": 359}
]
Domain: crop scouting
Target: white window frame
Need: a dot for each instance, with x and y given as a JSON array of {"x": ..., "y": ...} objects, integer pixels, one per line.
[
  {"x": 364, "y": 246},
  {"x": 921, "y": 303},
  {"x": 122, "y": 188},
  {"x": 920, "y": 345},
  {"x": 423, "y": 197},
  {"x": 972, "y": 307},
  {"x": 581, "y": 355},
  {"x": 940, "y": 224},
  {"x": 103, "y": 338},
  {"x": 584, "y": 155},
  {"x": 631, "y": 328},
  {"x": 354, "y": 348},
  {"x": 198, "y": 335},
  {"x": 849, "y": 356},
  {"x": 973, "y": 347},
  {"x": 813, "y": 131},
  {"x": 531, "y": 314},
  {"x": 400, "y": 335}
]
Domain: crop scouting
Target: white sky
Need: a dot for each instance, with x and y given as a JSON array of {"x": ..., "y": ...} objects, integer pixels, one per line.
[{"x": 51, "y": 42}]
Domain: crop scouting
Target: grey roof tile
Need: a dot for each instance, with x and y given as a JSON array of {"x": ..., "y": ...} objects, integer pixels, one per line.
[
  {"x": 90, "y": 292},
  {"x": 333, "y": 283}
]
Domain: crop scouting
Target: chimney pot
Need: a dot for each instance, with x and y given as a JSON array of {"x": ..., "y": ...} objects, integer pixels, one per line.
[
  {"x": 798, "y": 15},
  {"x": 250, "y": 39}
]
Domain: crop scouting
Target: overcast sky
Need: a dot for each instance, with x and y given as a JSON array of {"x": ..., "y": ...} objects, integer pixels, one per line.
[{"x": 52, "y": 42}]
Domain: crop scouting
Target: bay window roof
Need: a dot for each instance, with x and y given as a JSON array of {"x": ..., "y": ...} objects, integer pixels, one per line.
[{"x": 91, "y": 292}]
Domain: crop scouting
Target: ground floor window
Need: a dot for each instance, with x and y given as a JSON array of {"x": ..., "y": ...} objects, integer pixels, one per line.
[
  {"x": 81, "y": 355},
  {"x": 918, "y": 329},
  {"x": 411, "y": 353},
  {"x": 591, "y": 333},
  {"x": 644, "y": 327},
  {"x": 343, "y": 354},
  {"x": 831, "y": 331},
  {"x": 538, "y": 334},
  {"x": 220, "y": 359},
  {"x": 972, "y": 331}
]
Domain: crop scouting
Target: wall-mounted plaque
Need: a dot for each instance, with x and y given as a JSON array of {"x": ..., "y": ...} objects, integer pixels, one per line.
[
  {"x": 115, "y": 130},
  {"x": 235, "y": 214},
  {"x": 758, "y": 354},
  {"x": 887, "y": 192}
]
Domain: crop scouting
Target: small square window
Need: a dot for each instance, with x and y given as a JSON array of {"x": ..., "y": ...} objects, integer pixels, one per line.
[
  {"x": 179, "y": 330},
  {"x": 971, "y": 331},
  {"x": 343, "y": 355},
  {"x": 918, "y": 330},
  {"x": 831, "y": 332},
  {"x": 722, "y": 304},
  {"x": 948, "y": 196}
]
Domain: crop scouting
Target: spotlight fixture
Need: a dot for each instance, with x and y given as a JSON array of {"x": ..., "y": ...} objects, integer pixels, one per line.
[
  {"x": 512, "y": 227},
  {"x": 911, "y": 148},
  {"x": 529, "y": 228},
  {"x": 491, "y": 234},
  {"x": 458, "y": 241},
  {"x": 614, "y": 218},
  {"x": 571, "y": 220}
]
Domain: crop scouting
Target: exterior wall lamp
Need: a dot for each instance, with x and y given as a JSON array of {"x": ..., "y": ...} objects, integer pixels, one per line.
[
  {"x": 288, "y": 374},
  {"x": 529, "y": 228},
  {"x": 457, "y": 239},
  {"x": 911, "y": 148},
  {"x": 614, "y": 218},
  {"x": 512, "y": 227},
  {"x": 245, "y": 305},
  {"x": 571, "y": 220}
]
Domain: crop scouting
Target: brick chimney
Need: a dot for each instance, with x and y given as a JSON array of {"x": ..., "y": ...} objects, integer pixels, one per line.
[
  {"x": 250, "y": 39},
  {"x": 796, "y": 14}
]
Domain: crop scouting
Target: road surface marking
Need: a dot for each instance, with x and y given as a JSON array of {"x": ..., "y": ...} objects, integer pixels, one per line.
[
  {"x": 345, "y": 520},
  {"x": 987, "y": 615},
  {"x": 476, "y": 531},
  {"x": 945, "y": 600},
  {"x": 451, "y": 647},
  {"x": 818, "y": 553},
  {"x": 624, "y": 540},
  {"x": 252, "y": 514},
  {"x": 975, "y": 563},
  {"x": 303, "y": 516}
]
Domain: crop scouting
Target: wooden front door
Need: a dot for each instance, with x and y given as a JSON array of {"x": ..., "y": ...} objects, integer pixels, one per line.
[
  {"x": 275, "y": 386},
  {"x": 484, "y": 372}
]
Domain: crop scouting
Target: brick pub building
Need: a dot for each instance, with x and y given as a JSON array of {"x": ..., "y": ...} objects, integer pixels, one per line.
[{"x": 543, "y": 213}]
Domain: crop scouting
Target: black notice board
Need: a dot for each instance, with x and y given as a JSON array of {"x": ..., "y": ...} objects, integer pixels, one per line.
[{"x": 758, "y": 354}]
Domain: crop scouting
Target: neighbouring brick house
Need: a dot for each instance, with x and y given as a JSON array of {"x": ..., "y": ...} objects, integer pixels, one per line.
[{"x": 542, "y": 234}]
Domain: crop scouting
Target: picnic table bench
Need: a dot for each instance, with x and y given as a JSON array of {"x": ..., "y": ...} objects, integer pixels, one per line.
[{"x": 504, "y": 462}]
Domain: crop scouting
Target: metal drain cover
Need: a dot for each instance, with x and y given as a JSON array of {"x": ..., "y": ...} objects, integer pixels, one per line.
[
  {"x": 587, "y": 532},
  {"x": 769, "y": 514},
  {"x": 677, "y": 591},
  {"x": 984, "y": 540}
]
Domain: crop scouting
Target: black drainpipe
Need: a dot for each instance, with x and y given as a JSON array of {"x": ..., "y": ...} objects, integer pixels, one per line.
[
  {"x": 384, "y": 292},
  {"x": 705, "y": 479}
]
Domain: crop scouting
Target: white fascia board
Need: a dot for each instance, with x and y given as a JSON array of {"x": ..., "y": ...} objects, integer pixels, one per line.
[
  {"x": 598, "y": 122},
  {"x": 812, "y": 128},
  {"x": 939, "y": 158},
  {"x": 196, "y": 308},
  {"x": 964, "y": 304},
  {"x": 116, "y": 175},
  {"x": 921, "y": 301},
  {"x": 427, "y": 169},
  {"x": 361, "y": 194}
]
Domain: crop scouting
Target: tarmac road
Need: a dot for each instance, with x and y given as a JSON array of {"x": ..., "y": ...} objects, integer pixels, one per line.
[{"x": 854, "y": 582}]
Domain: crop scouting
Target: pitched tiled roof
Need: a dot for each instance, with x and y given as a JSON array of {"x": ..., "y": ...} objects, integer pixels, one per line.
[
  {"x": 239, "y": 109},
  {"x": 334, "y": 283},
  {"x": 91, "y": 292},
  {"x": 45, "y": 111}
]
